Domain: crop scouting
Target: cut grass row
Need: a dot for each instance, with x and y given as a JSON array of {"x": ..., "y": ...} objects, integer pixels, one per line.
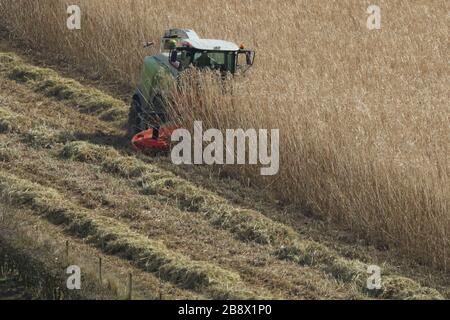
[
  {"x": 49, "y": 83},
  {"x": 41, "y": 279},
  {"x": 48, "y": 242},
  {"x": 37, "y": 264},
  {"x": 113, "y": 237},
  {"x": 246, "y": 225},
  {"x": 184, "y": 232}
]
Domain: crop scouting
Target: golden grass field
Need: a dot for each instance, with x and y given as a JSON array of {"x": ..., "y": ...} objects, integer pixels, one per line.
[
  {"x": 363, "y": 115},
  {"x": 72, "y": 191}
]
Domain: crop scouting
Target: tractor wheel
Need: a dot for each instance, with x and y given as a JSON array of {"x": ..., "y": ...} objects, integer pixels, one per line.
[
  {"x": 140, "y": 119},
  {"x": 134, "y": 121}
]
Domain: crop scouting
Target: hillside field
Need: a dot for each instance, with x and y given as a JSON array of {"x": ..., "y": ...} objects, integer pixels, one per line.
[{"x": 364, "y": 175}]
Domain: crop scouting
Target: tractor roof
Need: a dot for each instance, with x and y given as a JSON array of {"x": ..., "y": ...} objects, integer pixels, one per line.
[
  {"x": 213, "y": 45},
  {"x": 201, "y": 44}
]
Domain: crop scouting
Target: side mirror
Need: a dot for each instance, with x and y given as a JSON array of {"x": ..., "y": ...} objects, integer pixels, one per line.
[
  {"x": 148, "y": 44},
  {"x": 250, "y": 56}
]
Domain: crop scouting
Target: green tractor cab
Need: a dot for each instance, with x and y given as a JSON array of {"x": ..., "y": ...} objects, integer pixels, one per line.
[{"x": 180, "y": 49}]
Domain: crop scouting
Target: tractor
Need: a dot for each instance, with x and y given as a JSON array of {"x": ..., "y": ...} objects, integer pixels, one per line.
[{"x": 180, "y": 49}]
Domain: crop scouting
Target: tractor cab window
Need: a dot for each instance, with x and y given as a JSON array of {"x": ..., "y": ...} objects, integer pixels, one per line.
[
  {"x": 245, "y": 60},
  {"x": 241, "y": 60},
  {"x": 185, "y": 58},
  {"x": 180, "y": 59},
  {"x": 215, "y": 60}
]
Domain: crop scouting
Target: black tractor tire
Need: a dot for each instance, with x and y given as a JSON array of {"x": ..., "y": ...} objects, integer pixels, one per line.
[
  {"x": 134, "y": 121},
  {"x": 140, "y": 120}
]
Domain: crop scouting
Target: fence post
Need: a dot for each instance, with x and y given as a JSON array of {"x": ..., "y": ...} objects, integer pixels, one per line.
[
  {"x": 67, "y": 252},
  {"x": 130, "y": 287},
  {"x": 100, "y": 277}
]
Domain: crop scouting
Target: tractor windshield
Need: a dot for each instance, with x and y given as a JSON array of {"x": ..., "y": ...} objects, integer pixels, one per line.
[{"x": 216, "y": 60}]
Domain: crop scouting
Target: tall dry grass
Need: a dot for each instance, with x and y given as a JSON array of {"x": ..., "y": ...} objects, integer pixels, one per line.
[{"x": 364, "y": 115}]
